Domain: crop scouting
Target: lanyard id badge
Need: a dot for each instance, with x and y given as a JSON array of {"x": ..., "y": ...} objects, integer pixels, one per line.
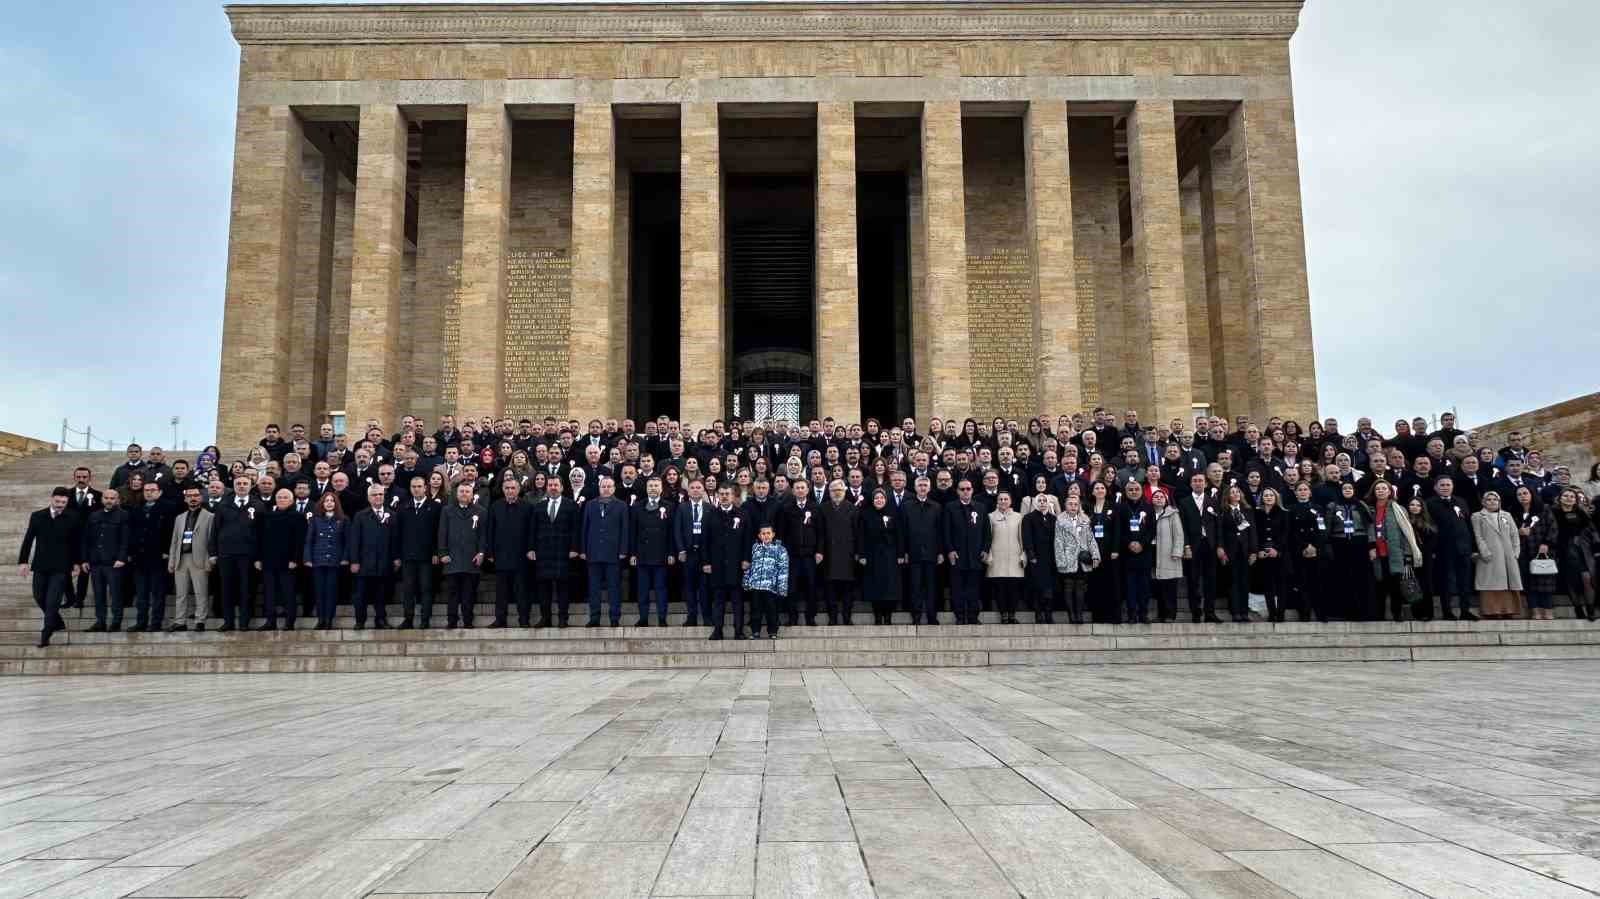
[{"x": 188, "y": 537}]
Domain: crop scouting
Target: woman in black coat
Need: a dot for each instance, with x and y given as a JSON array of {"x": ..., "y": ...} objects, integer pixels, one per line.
[
  {"x": 1104, "y": 607},
  {"x": 1038, "y": 545},
  {"x": 1236, "y": 545},
  {"x": 880, "y": 554},
  {"x": 1272, "y": 546}
]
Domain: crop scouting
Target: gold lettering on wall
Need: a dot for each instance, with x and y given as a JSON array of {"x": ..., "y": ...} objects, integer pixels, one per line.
[
  {"x": 1088, "y": 337},
  {"x": 1000, "y": 308},
  {"x": 538, "y": 332},
  {"x": 452, "y": 341}
]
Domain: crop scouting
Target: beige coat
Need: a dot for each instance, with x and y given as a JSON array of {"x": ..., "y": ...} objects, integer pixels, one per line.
[
  {"x": 1005, "y": 545},
  {"x": 1169, "y": 545},
  {"x": 1499, "y": 545}
]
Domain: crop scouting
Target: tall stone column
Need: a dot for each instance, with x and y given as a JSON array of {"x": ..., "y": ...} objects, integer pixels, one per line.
[
  {"x": 1201, "y": 379},
  {"x": 374, "y": 381},
  {"x": 1235, "y": 345},
  {"x": 313, "y": 289},
  {"x": 944, "y": 224},
  {"x": 262, "y": 236},
  {"x": 702, "y": 375},
  {"x": 485, "y": 229},
  {"x": 1272, "y": 253},
  {"x": 1158, "y": 261},
  {"x": 838, "y": 322},
  {"x": 916, "y": 281},
  {"x": 593, "y": 390},
  {"x": 1049, "y": 189},
  {"x": 1097, "y": 244}
]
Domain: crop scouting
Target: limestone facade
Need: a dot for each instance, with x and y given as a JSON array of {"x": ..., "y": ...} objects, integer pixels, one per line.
[{"x": 431, "y": 204}]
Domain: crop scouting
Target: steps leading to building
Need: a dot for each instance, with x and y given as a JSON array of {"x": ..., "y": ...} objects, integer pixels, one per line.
[{"x": 484, "y": 649}]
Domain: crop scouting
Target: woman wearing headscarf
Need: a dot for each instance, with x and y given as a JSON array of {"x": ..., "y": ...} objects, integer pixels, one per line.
[
  {"x": 881, "y": 557},
  {"x": 1497, "y": 576},
  {"x": 1349, "y": 534},
  {"x": 1038, "y": 543}
]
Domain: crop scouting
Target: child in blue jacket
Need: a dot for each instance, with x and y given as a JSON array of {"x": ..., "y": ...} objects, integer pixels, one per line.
[{"x": 766, "y": 580}]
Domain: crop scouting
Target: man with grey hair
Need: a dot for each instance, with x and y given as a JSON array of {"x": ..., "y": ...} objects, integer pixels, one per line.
[
  {"x": 603, "y": 545},
  {"x": 370, "y": 551}
]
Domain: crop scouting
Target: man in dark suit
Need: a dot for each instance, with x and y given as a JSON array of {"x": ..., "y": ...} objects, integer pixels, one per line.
[
  {"x": 965, "y": 536},
  {"x": 236, "y": 548},
  {"x": 761, "y": 507},
  {"x": 51, "y": 551},
  {"x": 370, "y": 549},
  {"x": 553, "y": 537},
  {"x": 727, "y": 553},
  {"x": 798, "y": 525},
  {"x": 1454, "y": 551},
  {"x": 151, "y": 525},
  {"x": 106, "y": 551},
  {"x": 508, "y": 547},
  {"x": 1197, "y": 509},
  {"x": 603, "y": 546},
  {"x": 85, "y": 500},
  {"x": 417, "y": 520},
  {"x": 689, "y": 545},
  {"x": 650, "y": 550},
  {"x": 921, "y": 544},
  {"x": 135, "y": 463}
]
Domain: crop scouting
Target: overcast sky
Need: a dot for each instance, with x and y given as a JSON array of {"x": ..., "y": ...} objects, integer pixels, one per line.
[{"x": 1447, "y": 156}]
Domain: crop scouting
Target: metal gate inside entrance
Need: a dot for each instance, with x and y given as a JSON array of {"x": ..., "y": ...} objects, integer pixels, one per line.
[{"x": 756, "y": 404}]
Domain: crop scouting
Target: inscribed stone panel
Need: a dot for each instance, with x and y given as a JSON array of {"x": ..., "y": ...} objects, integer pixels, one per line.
[
  {"x": 1001, "y": 292},
  {"x": 538, "y": 330}
]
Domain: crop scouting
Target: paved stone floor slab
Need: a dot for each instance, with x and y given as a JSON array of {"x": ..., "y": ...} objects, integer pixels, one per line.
[{"x": 1244, "y": 780}]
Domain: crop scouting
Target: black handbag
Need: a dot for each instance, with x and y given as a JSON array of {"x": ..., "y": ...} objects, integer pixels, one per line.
[
  {"x": 1085, "y": 560},
  {"x": 1410, "y": 586}
]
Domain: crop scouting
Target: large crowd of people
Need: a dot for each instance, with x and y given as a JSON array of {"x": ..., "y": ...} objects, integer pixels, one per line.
[{"x": 1086, "y": 517}]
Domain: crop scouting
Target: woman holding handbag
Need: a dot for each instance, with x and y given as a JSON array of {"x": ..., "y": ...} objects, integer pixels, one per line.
[
  {"x": 1497, "y": 578},
  {"x": 1537, "y": 532},
  {"x": 1395, "y": 553},
  {"x": 1077, "y": 553}
]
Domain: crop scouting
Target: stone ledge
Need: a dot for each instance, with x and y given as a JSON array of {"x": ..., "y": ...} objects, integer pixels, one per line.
[{"x": 924, "y": 20}]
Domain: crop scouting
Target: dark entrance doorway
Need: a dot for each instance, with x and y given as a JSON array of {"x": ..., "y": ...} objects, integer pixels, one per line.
[
  {"x": 883, "y": 266},
  {"x": 770, "y": 281},
  {"x": 653, "y": 295}
]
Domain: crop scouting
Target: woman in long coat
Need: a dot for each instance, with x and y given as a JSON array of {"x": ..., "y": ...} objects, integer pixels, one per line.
[
  {"x": 1038, "y": 544},
  {"x": 1538, "y": 530},
  {"x": 1004, "y": 558},
  {"x": 1073, "y": 538},
  {"x": 1498, "y": 579},
  {"x": 880, "y": 554}
]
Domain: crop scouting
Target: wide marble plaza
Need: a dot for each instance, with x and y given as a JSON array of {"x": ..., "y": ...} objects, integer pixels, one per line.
[{"x": 1376, "y": 780}]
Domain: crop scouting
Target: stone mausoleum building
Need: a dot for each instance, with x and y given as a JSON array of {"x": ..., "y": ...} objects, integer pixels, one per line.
[{"x": 799, "y": 208}]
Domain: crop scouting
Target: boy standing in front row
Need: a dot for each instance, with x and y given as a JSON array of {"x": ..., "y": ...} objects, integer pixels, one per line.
[{"x": 766, "y": 580}]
